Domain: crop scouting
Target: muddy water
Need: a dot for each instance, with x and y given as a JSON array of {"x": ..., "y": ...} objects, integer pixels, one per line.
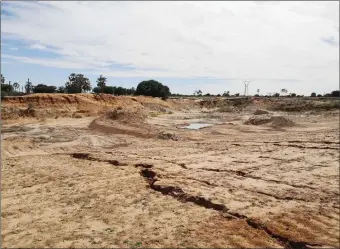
[{"x": 196, "y": 126}]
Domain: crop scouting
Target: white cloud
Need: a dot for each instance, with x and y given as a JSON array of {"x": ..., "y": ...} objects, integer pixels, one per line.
[
  {"x": 37, "y": 46},
  {"x": 267, "y": 42},
  {"x": 14, "y": 49}
]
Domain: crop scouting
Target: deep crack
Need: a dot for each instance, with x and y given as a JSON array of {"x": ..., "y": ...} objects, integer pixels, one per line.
[
  {"x": 176, "y": 192},
  {"x": 87, "y": 156}
]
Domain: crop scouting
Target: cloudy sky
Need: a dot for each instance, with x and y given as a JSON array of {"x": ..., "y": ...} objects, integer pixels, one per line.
[{"x": 212, "y": 46}]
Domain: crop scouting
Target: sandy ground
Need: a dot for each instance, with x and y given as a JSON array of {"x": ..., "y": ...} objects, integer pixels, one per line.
[{"x": 228, "y": 185}]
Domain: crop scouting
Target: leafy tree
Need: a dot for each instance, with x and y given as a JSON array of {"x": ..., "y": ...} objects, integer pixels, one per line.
[
  {"x": 226, "y": 94},
  {"x": 276, "y": 95},
  {"x": 207, "y": 94},
  {"x": 16, "y": 85},
  {"x": 61, "y": 89},
  {"x": 28, "y": 86},
  {"x": 335, "y": 93},
  {"x": 283, "y": 91},
  {"x": 152, "y": 88},
  {"x": 237, "y": 94},
  {"x": 41, "y": 88},
  {"x": 77, "y": 84},
  {"x": 218, "y": 95},
  {"x": 313, "y": 94},
  {"x": 2, "y": 79},
  {"x": 293, "y": 94},
  {"x": 101, "y": 83},
  {"x": 319, "y": 95}
]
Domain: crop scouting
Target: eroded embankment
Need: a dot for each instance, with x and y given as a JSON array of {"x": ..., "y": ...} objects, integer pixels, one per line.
[{"x": 79, "y": 105}]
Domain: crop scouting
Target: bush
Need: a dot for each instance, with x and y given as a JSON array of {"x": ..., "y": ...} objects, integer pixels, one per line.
[
  {"x": 153, "y": 88},
  {"x": 41, "y": 88},
  {"x": 313, "y": 95}
]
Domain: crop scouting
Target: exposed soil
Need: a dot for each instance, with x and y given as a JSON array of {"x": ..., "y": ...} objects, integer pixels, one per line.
[{"x": 127, "y": 176}]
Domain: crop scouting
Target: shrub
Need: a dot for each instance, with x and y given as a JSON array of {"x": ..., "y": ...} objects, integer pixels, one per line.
[
  {"x": 335, "y": 93},
  {"x": 41, "y": 88}
]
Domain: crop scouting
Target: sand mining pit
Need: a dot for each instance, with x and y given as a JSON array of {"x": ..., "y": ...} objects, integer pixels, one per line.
[{"x": 67, "y": 184}]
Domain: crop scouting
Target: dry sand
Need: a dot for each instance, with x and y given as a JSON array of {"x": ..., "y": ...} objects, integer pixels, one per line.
[{"x": 70, "y": 182}]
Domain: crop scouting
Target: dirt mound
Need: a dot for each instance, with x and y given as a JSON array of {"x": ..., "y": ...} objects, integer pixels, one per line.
[
  {"x": 260, "y": 112},
  {"x": 258, "y": 120},
  {"x": 167, "y": 136},
  {"x": 226, "y": 105},
  {"x": 274, "y": 121},
  {"x": 279, "y": 121},
  {"x": 126, "y": 115},
  {"x": 129, "y": 121}
]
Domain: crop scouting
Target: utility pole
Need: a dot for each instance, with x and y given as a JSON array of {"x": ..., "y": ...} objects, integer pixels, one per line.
[{"x": 246, "y": 84}]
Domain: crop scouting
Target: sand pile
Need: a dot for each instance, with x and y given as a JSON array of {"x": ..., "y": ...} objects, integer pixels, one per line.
[
  {"x": 128, "y": 121},
  {"x": 279, "y": 121},
  {"x": 126, "y": 115},
  {"x": 274, "y": 121}
]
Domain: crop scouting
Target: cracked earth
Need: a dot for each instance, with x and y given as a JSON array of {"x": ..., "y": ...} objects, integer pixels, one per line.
[{"x": 65, "y": 184}]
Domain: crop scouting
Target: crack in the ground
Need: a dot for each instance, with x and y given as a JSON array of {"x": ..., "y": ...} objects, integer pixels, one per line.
[
  {"x": 306, "y": 147},
  {"x": 87, "y": 156},
  {"x": 151, "y": 177}
]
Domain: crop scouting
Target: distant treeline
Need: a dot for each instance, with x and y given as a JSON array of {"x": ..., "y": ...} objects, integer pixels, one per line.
[{"x": 77, "y": 83}]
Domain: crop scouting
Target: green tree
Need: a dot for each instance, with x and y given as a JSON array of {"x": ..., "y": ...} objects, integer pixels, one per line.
[
  {"x": 6, "y": 88},
  {"x": 226, "y": 94},
  {"x": 313, "y": 95},
  {"x": 16, "y": 86},
  {"x": 77, "y": 84},
  {"x": 293, "y": 94},
  {"x": 101, "y": 83},
  {"x": 335, "y": 93},
  {"x": 28, "y": 86},
  {"x": 153, "y": 88},
  {"x": 237, "y": 94},
  {"x": 61, "y": 89},
  {"x": 41, "y": 88},
  {"x": 2, "y": 79},
  {"x": 284, "y": 91}
]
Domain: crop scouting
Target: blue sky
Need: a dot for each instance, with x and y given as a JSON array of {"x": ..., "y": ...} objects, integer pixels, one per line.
[{"x": 185, "y": 45}]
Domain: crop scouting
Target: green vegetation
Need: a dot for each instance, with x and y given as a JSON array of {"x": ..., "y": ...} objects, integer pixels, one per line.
[
  {"x": 41, "y": 88},
  {"x": 78, "y": 83},
  {"x": 153, "y": 88},
  {"x": 101, "y": 83}
]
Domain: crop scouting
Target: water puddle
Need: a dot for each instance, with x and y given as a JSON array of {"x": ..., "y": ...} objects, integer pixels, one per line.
[{"x": 196, "y": 126}]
